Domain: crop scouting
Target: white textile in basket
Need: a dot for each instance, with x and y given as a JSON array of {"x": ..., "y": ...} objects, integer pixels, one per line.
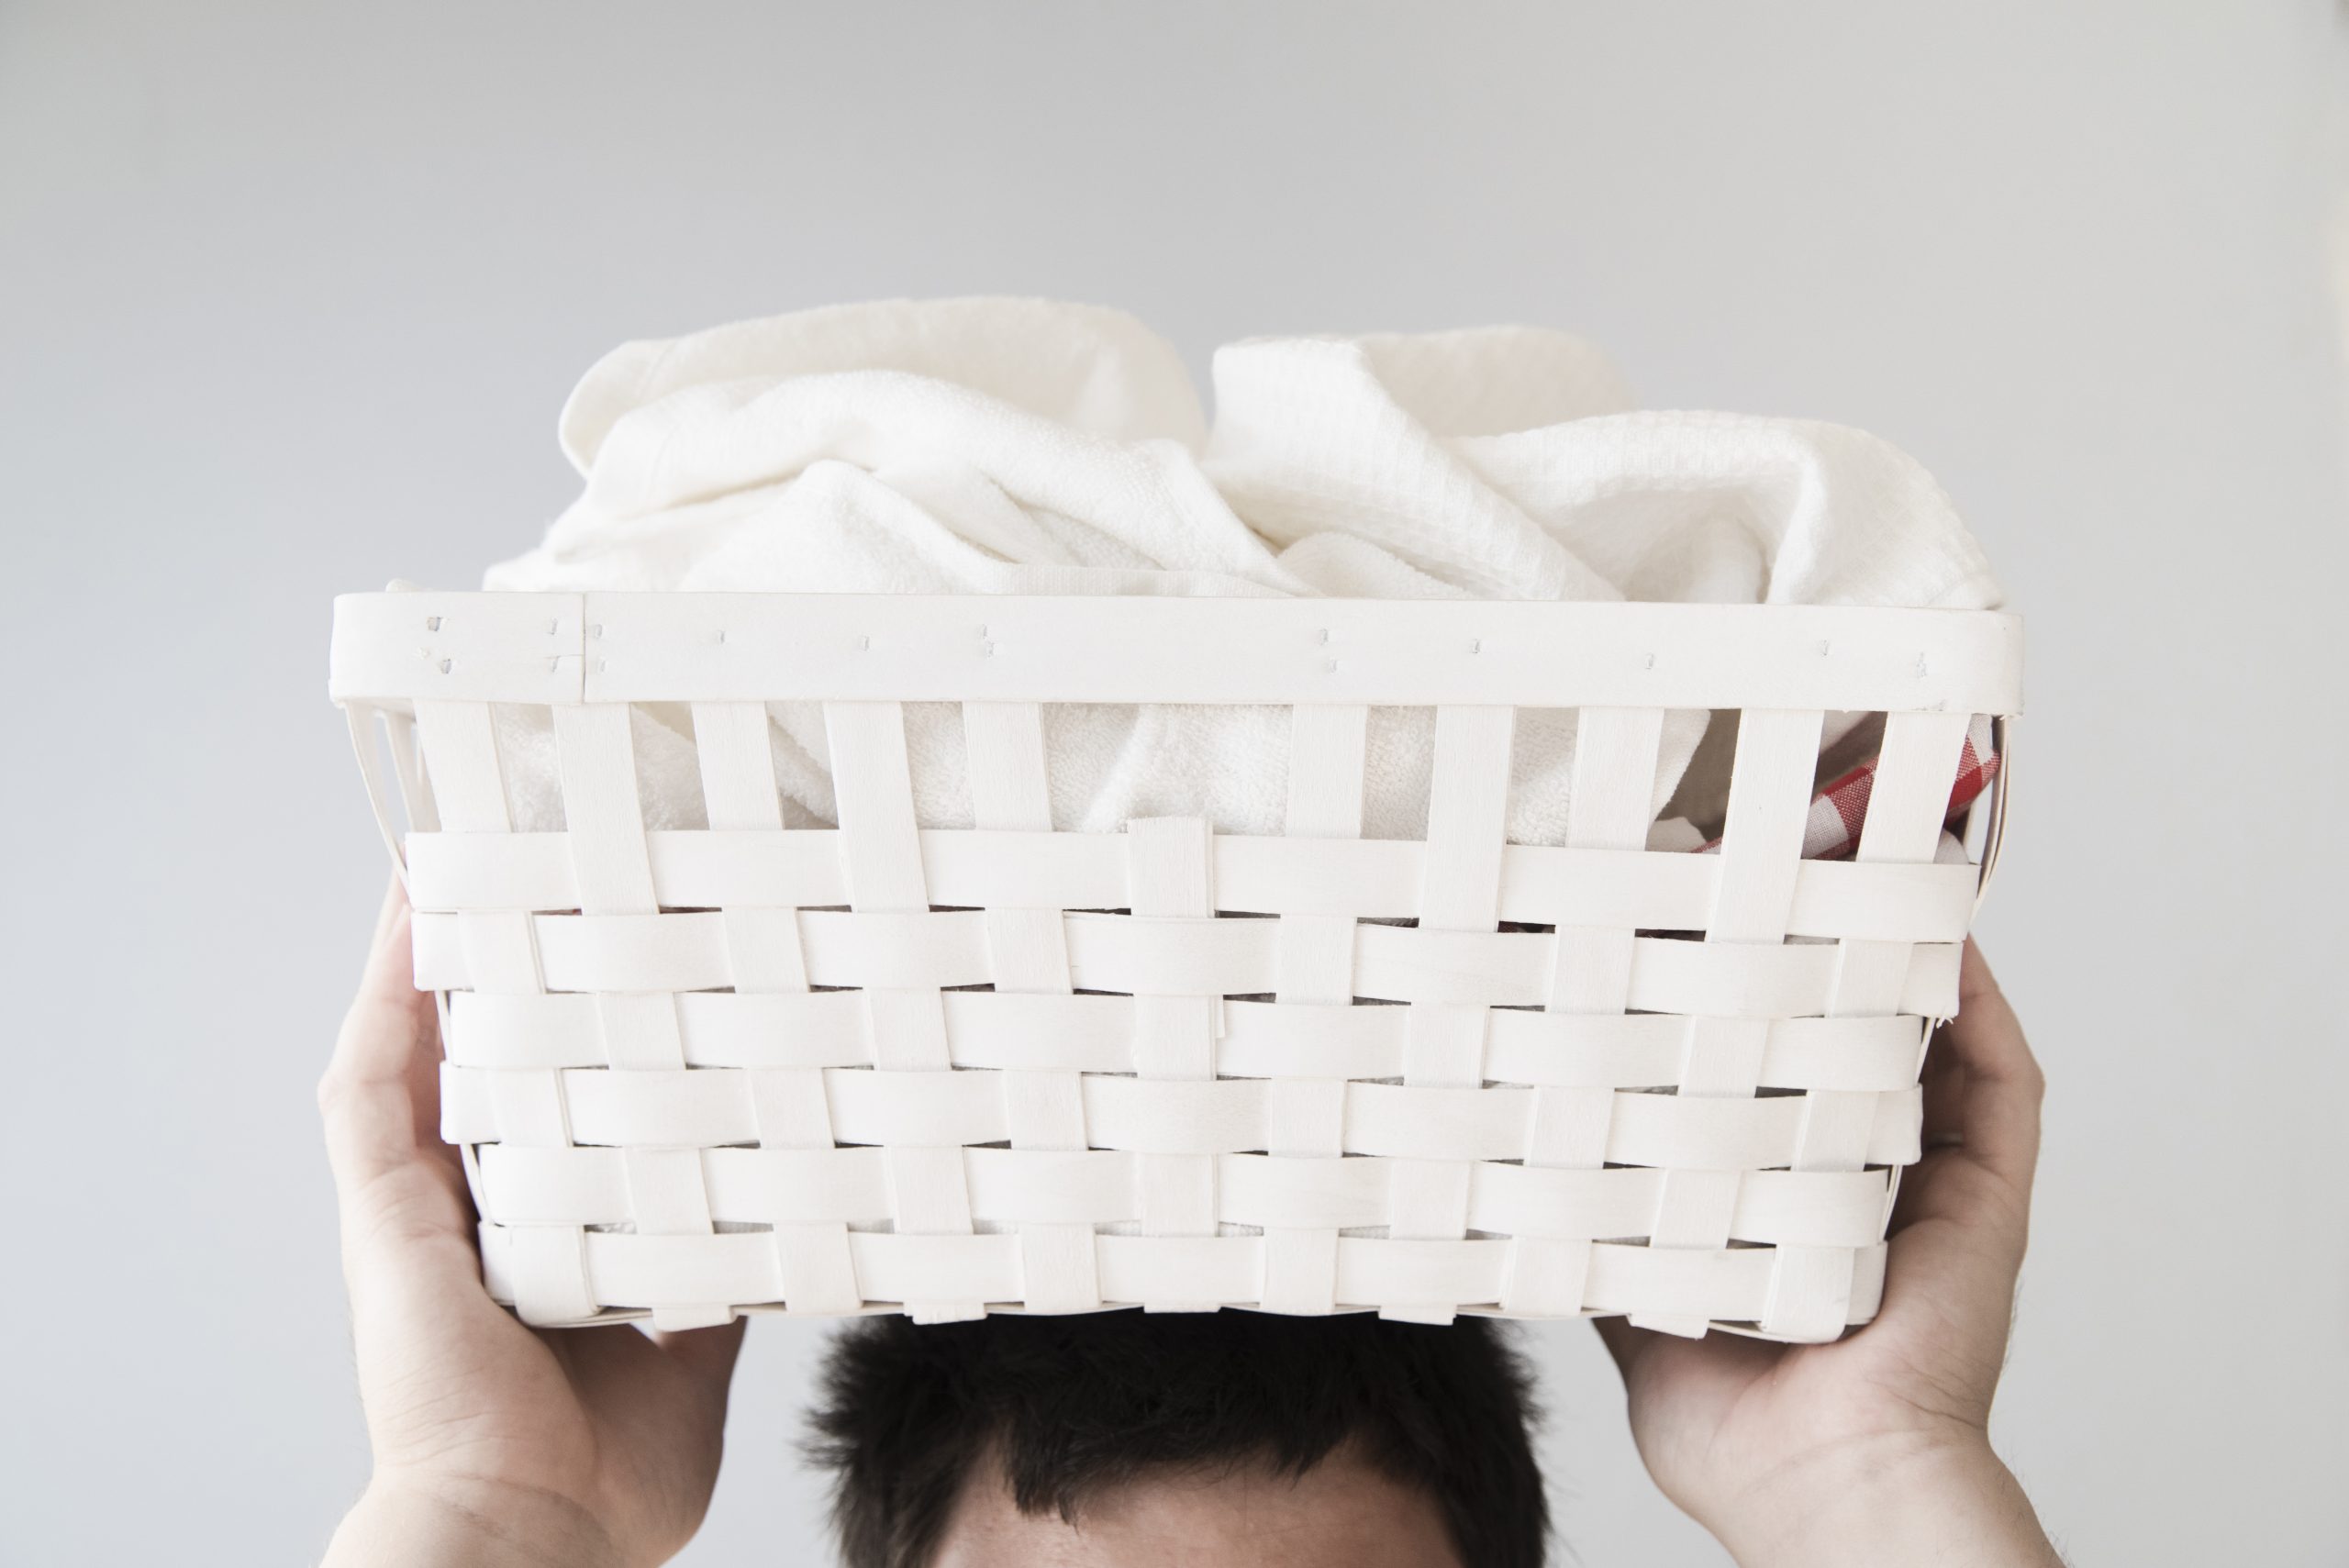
[{"x": 1027, "y": 447}]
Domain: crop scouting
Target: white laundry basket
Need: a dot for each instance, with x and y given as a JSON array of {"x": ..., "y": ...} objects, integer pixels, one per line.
[{"x": 891, "y": 1067}]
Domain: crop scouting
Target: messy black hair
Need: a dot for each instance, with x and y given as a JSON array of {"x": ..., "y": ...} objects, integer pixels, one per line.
[{"x": 1072, "y": 1406}]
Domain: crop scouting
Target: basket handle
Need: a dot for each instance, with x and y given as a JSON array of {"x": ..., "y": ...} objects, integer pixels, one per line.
[
  {"x": 371, "y": 768},
  {"x": 1995, "y": 834}
]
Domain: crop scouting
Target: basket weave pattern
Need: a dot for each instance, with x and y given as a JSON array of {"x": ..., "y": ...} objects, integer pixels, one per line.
[{"x": 887, "y": 1066}]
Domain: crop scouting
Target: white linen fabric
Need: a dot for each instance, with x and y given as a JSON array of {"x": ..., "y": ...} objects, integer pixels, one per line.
[{"x": 1032, "y": 447}]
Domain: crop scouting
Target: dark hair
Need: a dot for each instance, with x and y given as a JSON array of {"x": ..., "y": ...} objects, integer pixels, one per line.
[{"x": 1071, "y": 1404}]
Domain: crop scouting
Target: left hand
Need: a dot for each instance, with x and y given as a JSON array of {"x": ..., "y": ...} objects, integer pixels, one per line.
[{"x": 1876, "y": 1448}]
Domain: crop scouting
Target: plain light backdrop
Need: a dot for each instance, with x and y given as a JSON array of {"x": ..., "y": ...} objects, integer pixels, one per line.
[{"x": 290, "y": 296}]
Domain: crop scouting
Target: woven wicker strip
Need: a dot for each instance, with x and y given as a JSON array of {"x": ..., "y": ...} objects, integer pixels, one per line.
[{"x": 891, "y": 1066}]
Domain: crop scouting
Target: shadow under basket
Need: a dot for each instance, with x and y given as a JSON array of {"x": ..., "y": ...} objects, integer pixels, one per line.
[{"x": 890, "y": 1066}]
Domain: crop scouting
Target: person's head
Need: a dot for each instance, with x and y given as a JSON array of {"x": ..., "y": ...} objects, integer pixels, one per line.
[{"x": 1195, "y": 1438}]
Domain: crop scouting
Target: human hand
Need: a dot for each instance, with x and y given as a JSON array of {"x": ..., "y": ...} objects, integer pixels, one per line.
[
  {"x": 1876, "y": 1448},
  {"x": 494, "y": 1443}
]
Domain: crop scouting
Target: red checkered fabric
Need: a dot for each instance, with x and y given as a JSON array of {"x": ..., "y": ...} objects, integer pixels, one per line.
[{"x": 1832, "y": 830}]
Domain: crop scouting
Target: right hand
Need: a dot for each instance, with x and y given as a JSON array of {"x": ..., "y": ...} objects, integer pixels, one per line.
[{"x": 494, "y": 1443}]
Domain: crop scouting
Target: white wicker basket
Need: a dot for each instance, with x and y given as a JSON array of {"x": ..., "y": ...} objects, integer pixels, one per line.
[{"x": 889, "y": 1067}]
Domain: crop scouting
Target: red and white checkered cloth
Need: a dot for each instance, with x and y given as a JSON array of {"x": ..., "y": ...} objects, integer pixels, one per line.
[{"x": 1832, "y": 830}]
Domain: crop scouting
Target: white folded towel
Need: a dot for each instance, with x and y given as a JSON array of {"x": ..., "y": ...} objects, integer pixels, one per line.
[{"x": 1021, "y": 446}]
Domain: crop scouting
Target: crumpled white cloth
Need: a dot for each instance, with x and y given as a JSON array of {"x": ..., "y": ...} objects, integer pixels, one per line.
[{"x": 1025, "y": 446}]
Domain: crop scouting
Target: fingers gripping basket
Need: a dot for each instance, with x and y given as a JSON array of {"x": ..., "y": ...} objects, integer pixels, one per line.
[{"x": 883, "y": 1066}]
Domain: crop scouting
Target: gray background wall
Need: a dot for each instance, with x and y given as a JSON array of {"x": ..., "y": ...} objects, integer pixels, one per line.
[{"x": 293, "y": 293}]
